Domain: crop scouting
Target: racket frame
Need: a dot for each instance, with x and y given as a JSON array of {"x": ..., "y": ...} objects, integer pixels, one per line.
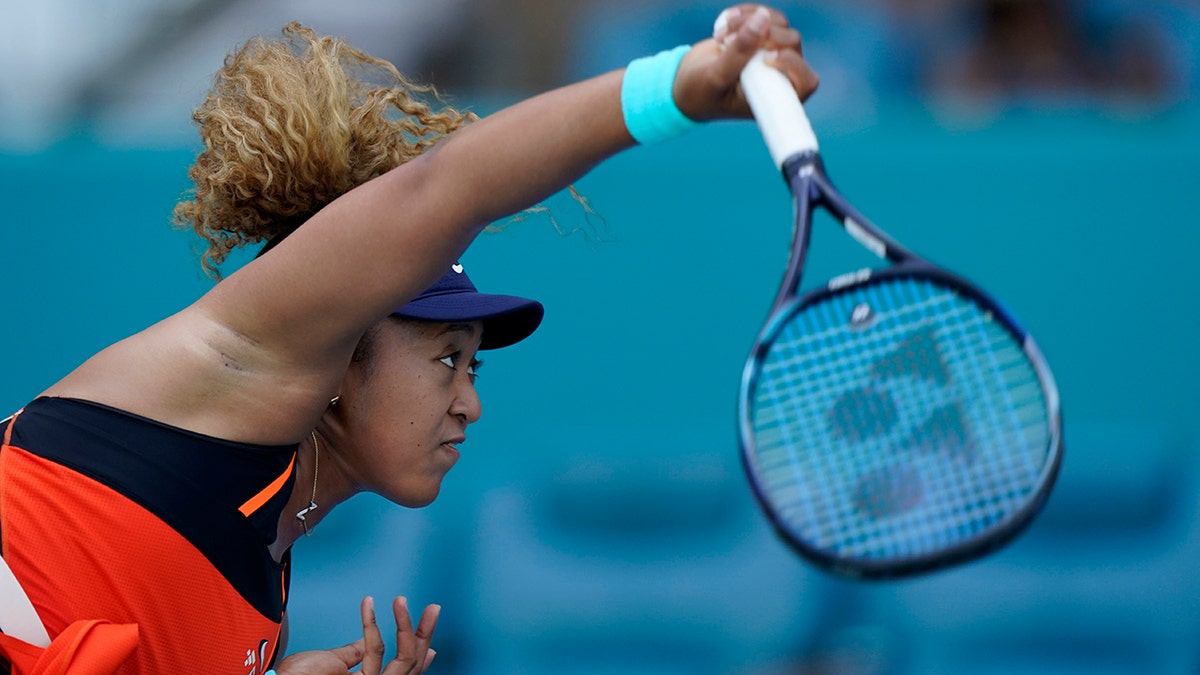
[{"x": 811, "y": 188}]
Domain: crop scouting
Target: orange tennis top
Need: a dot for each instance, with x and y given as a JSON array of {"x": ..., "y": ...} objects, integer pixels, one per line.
[{"x": 111, "y": 518}]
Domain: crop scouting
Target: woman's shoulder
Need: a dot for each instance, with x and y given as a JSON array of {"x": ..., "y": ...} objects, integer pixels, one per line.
[{"x": 190, "y": 373}]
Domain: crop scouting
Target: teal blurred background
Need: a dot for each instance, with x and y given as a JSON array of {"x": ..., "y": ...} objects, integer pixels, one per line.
[{"x": 599, "y": 521}]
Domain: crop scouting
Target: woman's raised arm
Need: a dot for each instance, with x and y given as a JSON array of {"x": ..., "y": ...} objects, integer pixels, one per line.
[{"x": 257, "y": 357}]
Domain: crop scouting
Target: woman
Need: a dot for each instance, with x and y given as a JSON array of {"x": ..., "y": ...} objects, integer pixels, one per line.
[{"x": 176, "y": 468}]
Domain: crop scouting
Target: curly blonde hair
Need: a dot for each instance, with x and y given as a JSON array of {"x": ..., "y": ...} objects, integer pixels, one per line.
[{"x": 291, "y": 124}]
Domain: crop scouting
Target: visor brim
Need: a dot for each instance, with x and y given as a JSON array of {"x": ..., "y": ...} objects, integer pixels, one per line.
[{"x": 507, "y": 319}]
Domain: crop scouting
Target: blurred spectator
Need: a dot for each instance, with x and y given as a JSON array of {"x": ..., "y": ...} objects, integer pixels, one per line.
[
  {"x": 503, "y": 47},
  {"x": 1049, "y": 51},
  {"x": 1175, "y": 29},
  {"x": 124, "y": 81}
]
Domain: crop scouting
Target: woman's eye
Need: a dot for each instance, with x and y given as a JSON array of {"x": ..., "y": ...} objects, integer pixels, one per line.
[{"x": 452, "y": 360}]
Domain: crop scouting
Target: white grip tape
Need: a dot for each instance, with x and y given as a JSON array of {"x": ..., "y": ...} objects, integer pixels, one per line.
[{"x": 778, "y": 111}]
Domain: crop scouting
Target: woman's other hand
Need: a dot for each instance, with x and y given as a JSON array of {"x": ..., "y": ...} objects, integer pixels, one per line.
[
  {"x": 413, "y": 654},
  {"x": 323, "y": 662}
]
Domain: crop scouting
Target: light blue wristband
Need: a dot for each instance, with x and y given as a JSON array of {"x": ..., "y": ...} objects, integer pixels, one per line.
[
  {"x": 646, "y": 100},
  {"x": 269, "y": 672}
]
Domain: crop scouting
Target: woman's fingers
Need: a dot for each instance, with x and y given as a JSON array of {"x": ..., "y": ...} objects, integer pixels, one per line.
[
  {"x": 413, "y": 654},
  {"x": 748, "y": 29},
  {"x": 323, "y": 662},
  {"x": 373, "y": 648},
  {"x": 426, "y": 626},
  {"x": 707, "y": 84},
  {"x": 406, "y": 641},
  {"x": 351, "y": 654},
  {"x": 412, "y": 646},
  {"x": 760, "y": 20},
  {"x": 803, "y": 78}
]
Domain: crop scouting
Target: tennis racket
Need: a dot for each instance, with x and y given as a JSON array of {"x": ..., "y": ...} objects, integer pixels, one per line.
[{"x": 893, "y": 420}]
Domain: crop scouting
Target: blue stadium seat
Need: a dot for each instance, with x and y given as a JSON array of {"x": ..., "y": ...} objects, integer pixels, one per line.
[{"x": 648, "y": 562}]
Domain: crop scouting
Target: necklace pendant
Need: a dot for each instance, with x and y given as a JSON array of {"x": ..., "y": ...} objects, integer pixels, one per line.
[{"x": 302, "y": 516}]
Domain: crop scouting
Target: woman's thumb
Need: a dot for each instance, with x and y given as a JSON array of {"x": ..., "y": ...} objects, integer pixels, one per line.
[{"x": 351, "y": 654}]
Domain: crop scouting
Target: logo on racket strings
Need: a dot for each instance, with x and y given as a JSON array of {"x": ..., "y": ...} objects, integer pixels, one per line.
[{"x": 909, "y": 411}]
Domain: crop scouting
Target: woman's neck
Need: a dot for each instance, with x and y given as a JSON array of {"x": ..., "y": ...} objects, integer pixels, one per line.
[{"x": 315, "y": 493}]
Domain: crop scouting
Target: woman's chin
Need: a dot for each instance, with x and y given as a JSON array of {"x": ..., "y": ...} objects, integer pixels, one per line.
[{"x": 416, "y": 499}]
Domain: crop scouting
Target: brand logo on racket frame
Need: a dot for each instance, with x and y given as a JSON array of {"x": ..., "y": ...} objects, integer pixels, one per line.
[{"x": 849, "y": 279}]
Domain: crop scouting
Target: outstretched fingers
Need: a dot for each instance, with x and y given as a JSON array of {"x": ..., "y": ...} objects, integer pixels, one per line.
[
  {"x": 413, "y": 654},
  {"x": 373, "y": 647}
]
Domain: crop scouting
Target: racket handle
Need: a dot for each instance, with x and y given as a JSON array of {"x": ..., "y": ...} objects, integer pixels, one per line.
[{"x": 778, "y": 111}]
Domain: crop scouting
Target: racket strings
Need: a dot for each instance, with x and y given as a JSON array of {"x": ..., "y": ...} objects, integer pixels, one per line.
[
  {"x": 895, "y": 487},
  {"x": 891, "y": 440}
]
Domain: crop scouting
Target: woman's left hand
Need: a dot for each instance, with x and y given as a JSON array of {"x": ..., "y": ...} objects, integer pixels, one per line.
[
  {"x": 413, "y": 654},
  {"x": 322, "y": 661}
]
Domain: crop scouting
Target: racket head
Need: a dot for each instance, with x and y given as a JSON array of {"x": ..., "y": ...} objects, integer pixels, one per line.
[{"x": 898, "y": 421}]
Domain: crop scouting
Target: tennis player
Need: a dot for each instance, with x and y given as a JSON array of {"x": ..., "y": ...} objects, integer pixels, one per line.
[{"x": 150, "y": 498}]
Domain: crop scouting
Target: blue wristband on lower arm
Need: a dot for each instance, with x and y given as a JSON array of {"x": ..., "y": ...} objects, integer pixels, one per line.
[{"x": 646, "y": 99}]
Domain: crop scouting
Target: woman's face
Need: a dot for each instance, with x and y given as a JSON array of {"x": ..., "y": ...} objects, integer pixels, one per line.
[{"x": 405, "y": 408}]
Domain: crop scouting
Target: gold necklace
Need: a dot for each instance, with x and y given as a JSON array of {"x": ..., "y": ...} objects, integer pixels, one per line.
[{"x": 302, "y": 514}]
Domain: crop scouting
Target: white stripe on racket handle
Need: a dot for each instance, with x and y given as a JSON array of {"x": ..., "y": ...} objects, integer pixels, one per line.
[{"x": 778, "y": 111}]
